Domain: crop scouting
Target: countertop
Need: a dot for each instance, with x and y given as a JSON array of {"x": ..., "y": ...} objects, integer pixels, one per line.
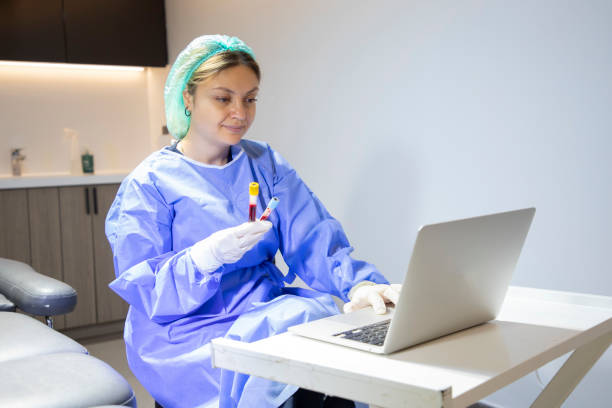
[{"x": 59, "y": 179}]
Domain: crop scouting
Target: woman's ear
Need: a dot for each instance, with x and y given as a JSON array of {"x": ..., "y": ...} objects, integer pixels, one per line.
[{"x": 187, "y": 99}]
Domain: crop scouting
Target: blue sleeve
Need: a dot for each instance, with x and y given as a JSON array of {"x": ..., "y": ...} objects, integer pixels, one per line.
[
  {"x": 164, "y": 284},
  {"x": 312, "y": 242}
]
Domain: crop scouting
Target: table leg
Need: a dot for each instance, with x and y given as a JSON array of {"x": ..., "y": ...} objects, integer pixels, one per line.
[{"x": 572, "y": 372}]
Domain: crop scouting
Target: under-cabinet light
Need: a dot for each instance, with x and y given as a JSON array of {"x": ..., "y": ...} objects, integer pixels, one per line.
[{"x": 70, "y": 66}]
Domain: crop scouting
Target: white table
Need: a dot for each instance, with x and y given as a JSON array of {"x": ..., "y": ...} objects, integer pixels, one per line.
[{"x": 534, "y": 327}]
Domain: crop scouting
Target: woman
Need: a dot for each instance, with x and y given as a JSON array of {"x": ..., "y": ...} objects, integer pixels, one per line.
[{"x": 189, "y": 265}]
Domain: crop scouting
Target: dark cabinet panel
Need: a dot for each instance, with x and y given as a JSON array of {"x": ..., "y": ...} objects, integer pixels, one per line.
[
  {"x": 116, "y": 32},
  {"x": 31, "y": 30},
  {"x": 14, "y": 229},
  {"x": 112, "y": 32}
]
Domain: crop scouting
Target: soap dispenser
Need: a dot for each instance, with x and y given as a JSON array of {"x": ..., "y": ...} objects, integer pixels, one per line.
[
  {"x": 16, "y": 159},
  {"x": 87, "y": 162}
]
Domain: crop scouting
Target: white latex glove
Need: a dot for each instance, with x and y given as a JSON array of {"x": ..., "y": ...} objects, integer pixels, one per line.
[
  {"x": 228, "y": 245},
  {"x": 372, "y": 294}
]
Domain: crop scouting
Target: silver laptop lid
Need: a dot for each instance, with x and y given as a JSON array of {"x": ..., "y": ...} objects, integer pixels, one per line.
[{"x": 458, "y": 276}]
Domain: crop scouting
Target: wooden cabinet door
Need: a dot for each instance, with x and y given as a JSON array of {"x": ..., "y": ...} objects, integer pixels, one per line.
[
  {"x": 109, "y": 305},
  {"x": 76, "y": 207},
  {"x": 14, "y": 229},
  {"x": 32, "y": 30},
  {"x": 45, "y": 236}
]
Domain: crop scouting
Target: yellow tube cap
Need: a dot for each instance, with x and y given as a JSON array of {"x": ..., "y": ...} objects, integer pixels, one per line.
[{"x": 254, "y": 188}]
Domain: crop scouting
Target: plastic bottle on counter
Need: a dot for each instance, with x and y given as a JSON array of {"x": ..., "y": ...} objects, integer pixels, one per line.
[{"x": 72, "y": 136}]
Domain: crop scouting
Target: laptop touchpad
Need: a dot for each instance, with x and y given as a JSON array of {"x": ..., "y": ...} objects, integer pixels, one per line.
[{"x": 362, "y": 317}]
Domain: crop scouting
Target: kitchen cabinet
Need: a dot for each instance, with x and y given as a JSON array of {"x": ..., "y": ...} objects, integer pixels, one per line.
[
  {"x": 45, "y": 236},
  {"x": 60, "y": 232},
  {"x": 109, "y": 305},
  {"x": 14, "y": 225},
  {"x": 111, "y": 32},
  {"x": 29, "y": 232},
  {"x": 77, "y": 252},
  {"x": 32, "y": 30},
  {"x": 116, "y": 32},
  {"x": 86, "y": 254}
]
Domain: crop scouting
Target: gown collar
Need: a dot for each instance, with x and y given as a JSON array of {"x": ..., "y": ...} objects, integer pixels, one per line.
[{"x": 236, "y": 152}]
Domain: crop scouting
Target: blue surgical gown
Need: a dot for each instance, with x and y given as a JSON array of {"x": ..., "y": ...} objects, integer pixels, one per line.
[{"x": 170, "y": 202}]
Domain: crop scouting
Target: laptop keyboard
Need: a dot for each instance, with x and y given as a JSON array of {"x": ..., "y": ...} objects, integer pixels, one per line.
[{"x": 371, "y": 334}]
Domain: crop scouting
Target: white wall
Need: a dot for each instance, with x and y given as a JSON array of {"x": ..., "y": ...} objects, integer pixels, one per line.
[
  {"x": 112, "y": 112},
  {"x": 400, "y": 113}
]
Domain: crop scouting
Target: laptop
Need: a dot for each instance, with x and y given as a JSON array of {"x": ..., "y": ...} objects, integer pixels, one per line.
[{"x": 457, "y": 278}]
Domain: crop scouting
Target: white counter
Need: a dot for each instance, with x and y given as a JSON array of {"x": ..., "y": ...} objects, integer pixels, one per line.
[{"x": 59, "y": 179}]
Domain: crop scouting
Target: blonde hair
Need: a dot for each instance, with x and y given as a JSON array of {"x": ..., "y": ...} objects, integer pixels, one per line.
[{"x": 217, "y": 63}]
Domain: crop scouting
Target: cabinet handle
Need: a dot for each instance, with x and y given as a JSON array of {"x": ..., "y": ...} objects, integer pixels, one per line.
[
  {"x": 87, "y": 200},
  {"x": 95, "y": 198}
]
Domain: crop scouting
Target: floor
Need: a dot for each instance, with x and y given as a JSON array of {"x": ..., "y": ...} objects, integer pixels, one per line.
[{"x": 111, "y": 349}]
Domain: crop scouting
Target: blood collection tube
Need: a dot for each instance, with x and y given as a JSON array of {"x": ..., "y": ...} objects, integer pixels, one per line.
[
  {"x": 253, "y": 193},
  {"x": 271, "y": 205}
]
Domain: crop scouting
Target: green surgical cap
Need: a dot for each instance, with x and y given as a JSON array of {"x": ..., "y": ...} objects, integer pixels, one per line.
[{"x": 198, "y": 51}]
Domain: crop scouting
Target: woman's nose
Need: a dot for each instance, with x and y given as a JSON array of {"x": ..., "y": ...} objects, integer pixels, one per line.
[{"x": 238, "y": 110}]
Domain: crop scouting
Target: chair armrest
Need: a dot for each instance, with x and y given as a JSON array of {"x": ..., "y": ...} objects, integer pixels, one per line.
[
  {"x": 33, "y": 292},
  {"x": 6, "y": 305}
]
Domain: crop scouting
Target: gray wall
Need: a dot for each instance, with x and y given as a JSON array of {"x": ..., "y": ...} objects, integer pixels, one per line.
[{"x": 400, "y": 113}]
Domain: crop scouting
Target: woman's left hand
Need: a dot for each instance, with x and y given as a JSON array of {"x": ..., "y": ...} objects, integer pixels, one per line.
[{"x": 375, "y": 295}]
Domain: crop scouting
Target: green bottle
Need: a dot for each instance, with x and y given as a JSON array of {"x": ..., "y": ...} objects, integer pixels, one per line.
[{"x": 87, "y": 162}]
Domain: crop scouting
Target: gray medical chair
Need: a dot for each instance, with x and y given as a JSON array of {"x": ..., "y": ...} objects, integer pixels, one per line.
[{"x": 40, "y": 367}]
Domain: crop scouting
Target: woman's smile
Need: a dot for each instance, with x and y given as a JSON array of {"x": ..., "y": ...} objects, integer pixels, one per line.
[{"x": 235, "y": 129}]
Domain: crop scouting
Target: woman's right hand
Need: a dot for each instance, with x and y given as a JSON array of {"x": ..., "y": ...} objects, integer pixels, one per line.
[{"x": 228, "y": 245}]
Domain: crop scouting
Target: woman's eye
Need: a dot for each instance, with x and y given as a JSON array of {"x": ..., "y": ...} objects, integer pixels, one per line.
[
  {"x": 222, "y": 99},
  {"x": 251, "y": 100}
]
